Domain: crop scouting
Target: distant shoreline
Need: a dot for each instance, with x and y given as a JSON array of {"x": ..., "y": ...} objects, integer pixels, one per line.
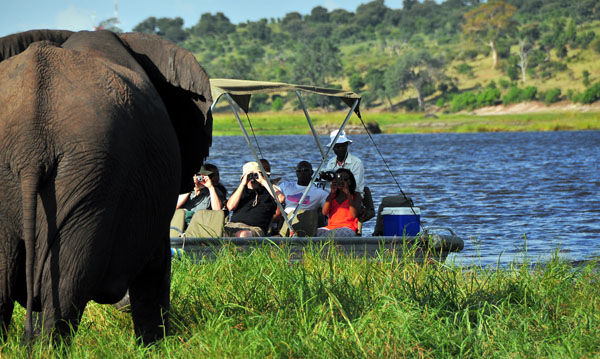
[{"x": 522, "y": 117}]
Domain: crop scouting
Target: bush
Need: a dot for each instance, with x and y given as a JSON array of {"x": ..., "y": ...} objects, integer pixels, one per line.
[
  {"x": 591, "y": 94},
  {"x": 464, "y": 101},
  {"x": 552, "y": 96},
  {"x": 465, "y": 69},
  {"x": 488, "y": 97},
  {"x": 512, "y": 96},
  {"x": 504, "y": 83},
  {"x": 528, "y": 93},
  {"x": 596, "y": 45},
  {"x": 277, "y": 104}
]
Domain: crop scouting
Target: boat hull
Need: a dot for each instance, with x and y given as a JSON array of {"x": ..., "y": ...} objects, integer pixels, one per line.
[{"x": 435, "y": 247}]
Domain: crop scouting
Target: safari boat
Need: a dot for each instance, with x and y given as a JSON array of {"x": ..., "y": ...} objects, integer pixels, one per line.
[{"x": 398, "y": 225}]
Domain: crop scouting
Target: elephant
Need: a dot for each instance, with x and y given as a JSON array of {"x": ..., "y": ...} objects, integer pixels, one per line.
[{"x": 99, "y": 133}]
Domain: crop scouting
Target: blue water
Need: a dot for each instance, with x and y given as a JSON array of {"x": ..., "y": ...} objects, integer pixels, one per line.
[{"x": 510, "y": 196}]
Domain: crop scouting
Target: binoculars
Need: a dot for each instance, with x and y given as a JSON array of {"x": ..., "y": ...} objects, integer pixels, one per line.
[{"x": 252, "y": 176}]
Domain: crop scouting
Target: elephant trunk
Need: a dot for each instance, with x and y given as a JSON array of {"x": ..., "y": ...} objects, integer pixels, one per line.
[{"x": 29, "y": 189}]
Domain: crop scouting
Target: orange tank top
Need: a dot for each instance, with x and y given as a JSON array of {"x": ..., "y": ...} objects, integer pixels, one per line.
[{"x": 340, "y": 216}]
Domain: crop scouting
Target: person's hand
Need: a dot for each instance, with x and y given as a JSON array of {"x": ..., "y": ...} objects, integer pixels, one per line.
[
  {"x": 207, "y": 182},
  {"x": 262, "y": 179},
  {"x": 346, "y": 189},
  {"x": 244, "y": 179}
]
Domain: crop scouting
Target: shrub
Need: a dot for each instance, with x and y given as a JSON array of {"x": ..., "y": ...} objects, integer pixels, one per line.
[
  {"x": 591, "y": 94},
  {"x": 528, "y": 93},
  {"x": 441, "y": 102},
  {"x": 488, "y": 97},
  {"x": 552, "y": 96},
  {"x": 513, "y": 73},
  {"x": 586, "y": 78},
  {"x": 596, "y": 45},
  {"x": 277, "y": 104},
  {"x": 464, "y": 101},
  {"x": 504, "y": 83},
  {"x": 512, "y": 96},
  {"x": 465, "y": 69}
]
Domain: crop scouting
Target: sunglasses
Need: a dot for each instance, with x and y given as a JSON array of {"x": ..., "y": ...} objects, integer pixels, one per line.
[{"x": 343, "y": 178}]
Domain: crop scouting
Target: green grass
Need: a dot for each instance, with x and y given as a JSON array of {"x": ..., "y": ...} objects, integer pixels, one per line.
[
  {"x": 278, "y": 123},
  {"x": 260, "y": 305}
]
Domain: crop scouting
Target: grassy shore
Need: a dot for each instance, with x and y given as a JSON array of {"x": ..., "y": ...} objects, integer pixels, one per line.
[
  {"x": 277, "y": 123},
  {"x": 260, "y": 305}
]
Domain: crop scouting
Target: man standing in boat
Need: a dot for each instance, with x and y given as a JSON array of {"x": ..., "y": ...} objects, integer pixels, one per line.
[{"x": 344, "y": 159}]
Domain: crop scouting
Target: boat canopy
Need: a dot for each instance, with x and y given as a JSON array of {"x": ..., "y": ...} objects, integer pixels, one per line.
[{"x": 241, "y": 91}]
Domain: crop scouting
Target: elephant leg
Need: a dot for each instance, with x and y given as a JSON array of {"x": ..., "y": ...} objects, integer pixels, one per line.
[
  {"x": 6, "y": 311},
  {"x": 149, "y": 296}
]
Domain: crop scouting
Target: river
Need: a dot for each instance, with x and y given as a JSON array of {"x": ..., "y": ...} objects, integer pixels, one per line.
[{"x": 510, "y": 196}]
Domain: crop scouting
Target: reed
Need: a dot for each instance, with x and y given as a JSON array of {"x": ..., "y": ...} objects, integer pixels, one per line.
[
  {"x": 331, "y": 305},
  {"x": 277, "y": 123}
]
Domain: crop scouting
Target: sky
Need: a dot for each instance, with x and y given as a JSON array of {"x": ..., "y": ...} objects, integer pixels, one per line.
[{"x": 23, "y": 15}]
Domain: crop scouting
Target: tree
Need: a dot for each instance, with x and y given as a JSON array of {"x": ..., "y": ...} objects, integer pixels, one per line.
[
  {"x": 418, "y": 69},
  {"x": 489, "y": 22},
  {"x": 527, "y": 37},
  {"x": 209, "y": 24},
  {"x": 371, "y": 13},
  {"x": 318, "y": 63},
  {"x": 171, "y": 29}
]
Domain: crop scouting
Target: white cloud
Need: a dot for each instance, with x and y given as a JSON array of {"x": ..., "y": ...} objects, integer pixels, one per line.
[{"x": 75, "y": 19}]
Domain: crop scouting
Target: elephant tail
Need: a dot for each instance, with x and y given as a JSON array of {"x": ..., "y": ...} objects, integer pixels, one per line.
[{"x": 29, "y": 188}]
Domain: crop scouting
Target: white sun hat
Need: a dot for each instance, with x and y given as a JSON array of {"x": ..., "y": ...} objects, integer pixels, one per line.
[{"x": 341, "y": 139}]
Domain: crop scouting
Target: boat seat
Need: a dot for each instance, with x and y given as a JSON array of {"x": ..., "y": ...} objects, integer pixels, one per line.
[
  {"x": 305, "y": 224},
  {"x": 390, "y": 201},
  {"x": 206, "y": 223},
  {"x": 177, "y": 223}
]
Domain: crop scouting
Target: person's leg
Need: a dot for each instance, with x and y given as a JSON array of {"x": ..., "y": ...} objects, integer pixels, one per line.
[{"x": 243, "y": 233}]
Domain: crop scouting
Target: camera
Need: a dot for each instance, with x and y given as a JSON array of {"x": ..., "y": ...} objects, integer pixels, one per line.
[
  {"x": 252, "y": 176},
  {"x": 326, "y": 175}
]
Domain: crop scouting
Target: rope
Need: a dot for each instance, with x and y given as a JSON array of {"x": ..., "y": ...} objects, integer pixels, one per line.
[
  {"x": 254, "y": 135},
  {"x": 390, "y": 171}
]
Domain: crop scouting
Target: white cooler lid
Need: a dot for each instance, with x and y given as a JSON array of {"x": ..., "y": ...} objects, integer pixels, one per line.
[{"x": 402, "y": 211}]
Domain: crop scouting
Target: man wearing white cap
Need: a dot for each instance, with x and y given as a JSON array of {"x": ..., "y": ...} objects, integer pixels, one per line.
[{"x": 344, "y": 159}]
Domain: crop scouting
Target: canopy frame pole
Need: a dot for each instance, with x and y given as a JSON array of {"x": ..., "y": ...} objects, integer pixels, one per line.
[
  {"x": 310, "y": 124},
  {"x": 316, "y": 173},
  {"x": 243, "y": 128}
]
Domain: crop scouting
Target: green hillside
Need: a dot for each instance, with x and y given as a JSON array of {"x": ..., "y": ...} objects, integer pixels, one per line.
[{"x": 422, "y": 56}]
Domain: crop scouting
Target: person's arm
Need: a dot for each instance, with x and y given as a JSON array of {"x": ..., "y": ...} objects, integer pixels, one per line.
[
  {"x": 263, "y": 182},
  {"x": 215, "y": 201},
  {"x": 234, "y": 200},
  {"x": 353, "y": 200},
  {"x": 327, "y": 206},
  {"x": 182, "y": 199}
]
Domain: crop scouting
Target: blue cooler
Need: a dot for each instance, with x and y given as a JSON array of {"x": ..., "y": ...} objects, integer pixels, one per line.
[{"x": 399, "y": 221}]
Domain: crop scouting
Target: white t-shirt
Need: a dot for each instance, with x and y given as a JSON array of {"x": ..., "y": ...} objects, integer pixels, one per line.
[{"x": 315, "y": 198}]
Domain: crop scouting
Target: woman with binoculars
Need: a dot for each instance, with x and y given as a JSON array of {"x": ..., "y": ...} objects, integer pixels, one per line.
[{"x": 342, "y": 206}]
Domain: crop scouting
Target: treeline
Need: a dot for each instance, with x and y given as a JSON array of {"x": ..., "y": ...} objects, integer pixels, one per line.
[{"x": 383, "y": 53}]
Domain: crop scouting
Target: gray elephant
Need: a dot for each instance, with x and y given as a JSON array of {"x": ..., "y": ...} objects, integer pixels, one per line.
[{"x": 99, "y": 133}]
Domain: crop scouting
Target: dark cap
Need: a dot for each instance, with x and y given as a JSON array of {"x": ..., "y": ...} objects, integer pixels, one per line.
[{"x": 205, "y": 172}]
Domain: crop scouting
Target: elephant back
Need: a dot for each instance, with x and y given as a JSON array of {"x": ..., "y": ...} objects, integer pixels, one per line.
[{"x": 14, "y": 44}]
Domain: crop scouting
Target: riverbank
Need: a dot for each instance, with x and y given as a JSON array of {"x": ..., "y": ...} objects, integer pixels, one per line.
[
  {"x": 258, "y": 305},
  {"x": 496, "y": 119}
]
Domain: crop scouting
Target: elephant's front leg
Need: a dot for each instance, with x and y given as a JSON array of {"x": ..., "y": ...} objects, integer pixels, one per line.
[{"x": 149, "y": 296}]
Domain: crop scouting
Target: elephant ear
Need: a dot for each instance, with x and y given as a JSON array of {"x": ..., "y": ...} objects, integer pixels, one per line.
[
  {"x": 185, "y": 89},
  {"x": 14, "y": 44}
]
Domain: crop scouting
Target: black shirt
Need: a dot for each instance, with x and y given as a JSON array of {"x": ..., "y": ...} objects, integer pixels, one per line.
[{"x": 258, "y": 215}]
